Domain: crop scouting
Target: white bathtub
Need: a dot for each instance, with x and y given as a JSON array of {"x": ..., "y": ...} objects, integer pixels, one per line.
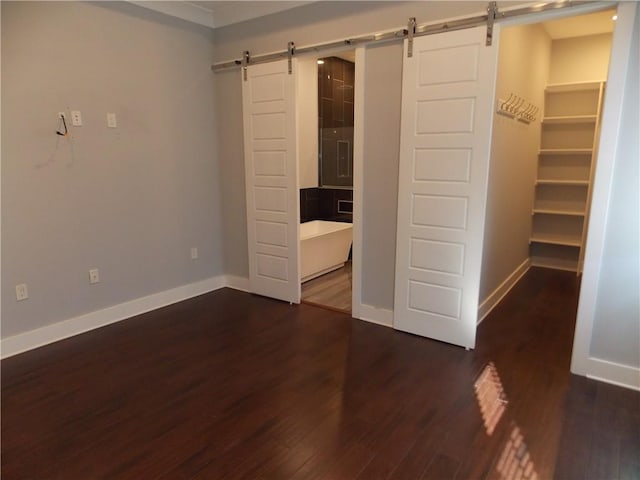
[{"x": 324, "y": 246}]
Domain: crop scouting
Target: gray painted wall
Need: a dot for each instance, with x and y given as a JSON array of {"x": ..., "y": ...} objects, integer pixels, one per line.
[
  {"x": 130, "y": 201},
  {"x": 616, "y": 329},
  {"x": 382, "y": 105},
  {"x": 230, "y": 148}
]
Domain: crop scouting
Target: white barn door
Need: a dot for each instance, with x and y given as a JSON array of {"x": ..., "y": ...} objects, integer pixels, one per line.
[
  {"x": 270, "y": 156},
  {"x": 447, "y": 103}
]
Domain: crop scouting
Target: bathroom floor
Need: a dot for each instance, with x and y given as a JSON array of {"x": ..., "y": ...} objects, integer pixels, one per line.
[{"x": 331, "y": 290}]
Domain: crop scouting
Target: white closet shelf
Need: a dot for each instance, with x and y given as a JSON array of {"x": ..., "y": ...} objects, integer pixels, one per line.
[
  {"x": 570, "y": 183},
  {"x": 557, "y": 239},
  {"x": 554, "y": 265},
  {"x": 566, "y": 151},
  {"x": 572, "y": 87},
  {"x": 569, "y": 119},
  {"x": 548, "y": 211}
]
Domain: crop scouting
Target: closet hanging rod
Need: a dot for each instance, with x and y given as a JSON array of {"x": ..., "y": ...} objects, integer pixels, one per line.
[{"x": 420, "y": 30}]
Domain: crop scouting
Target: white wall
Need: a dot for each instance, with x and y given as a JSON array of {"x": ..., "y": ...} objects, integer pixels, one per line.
[
  {"x": 130, "y": 201},
  {"x": 523, "y": 69},
  {"x": 580, "y": 59},
  {"x": 616, "y": 328}
]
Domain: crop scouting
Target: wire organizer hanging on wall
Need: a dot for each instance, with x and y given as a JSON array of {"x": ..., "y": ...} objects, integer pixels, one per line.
[{"x": 518, "y": 108}]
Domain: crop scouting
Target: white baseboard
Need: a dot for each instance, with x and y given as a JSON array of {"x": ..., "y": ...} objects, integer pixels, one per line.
[
  {"x": 499, "y": 293},
  {"x": 75, "y": 326},
  {"x": 379, "y": 316},
  {"x": 58, "y": 331},
  {"x": 614, "y": 373},
  {"x": 368, "y": 313},
  {"x": 237, "y": 283}
]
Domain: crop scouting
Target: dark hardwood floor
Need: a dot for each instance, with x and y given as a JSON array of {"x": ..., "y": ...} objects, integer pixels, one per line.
[{"x": 230, "y": 385}]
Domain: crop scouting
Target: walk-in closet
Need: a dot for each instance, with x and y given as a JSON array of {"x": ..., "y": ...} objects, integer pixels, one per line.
[{"x": 551, "y": 84}]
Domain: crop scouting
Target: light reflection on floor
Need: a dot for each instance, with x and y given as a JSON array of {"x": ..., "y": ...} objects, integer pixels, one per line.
[
  {"x": 515, "y": 462},
  {"x": 491, "y": 397}
]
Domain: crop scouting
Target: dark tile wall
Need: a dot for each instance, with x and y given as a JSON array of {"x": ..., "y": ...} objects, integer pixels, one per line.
[
  {"x": 309, "y": 204},
  {"x": 325, "y": 203},
  {"x": 335, "y": 107}
]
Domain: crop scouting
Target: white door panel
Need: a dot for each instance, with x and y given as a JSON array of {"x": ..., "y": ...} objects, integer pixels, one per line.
[
  {"x": 270, "y": 151},
  {"x": 447, "y": 100}
]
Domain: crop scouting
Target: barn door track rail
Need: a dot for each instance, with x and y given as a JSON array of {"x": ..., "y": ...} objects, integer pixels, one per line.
[{"x": 411, "y": 31}]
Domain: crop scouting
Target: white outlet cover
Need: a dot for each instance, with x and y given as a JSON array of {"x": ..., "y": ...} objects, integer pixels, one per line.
[
  {"x": 194, "y": 253},
  {"x": 94, "y": 276},
  {"x": 111, "y": 120},
  {"x": 76, "y": 118},
  {"x": 21, "y": 292}
]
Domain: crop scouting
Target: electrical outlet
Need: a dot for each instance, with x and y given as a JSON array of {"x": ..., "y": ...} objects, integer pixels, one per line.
[
  {"x": 94, "y": 276},
  {"x": 21, "y": 292},
  {"x": 194, "y": 253},
  {"x": 111, "y": 120},
  {"x": 76, "y": 118}
]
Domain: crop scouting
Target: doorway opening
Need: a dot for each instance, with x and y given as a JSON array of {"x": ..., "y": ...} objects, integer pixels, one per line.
[
  {"x": 550, "y": 88},
  {"x": 326, "y": 180}
]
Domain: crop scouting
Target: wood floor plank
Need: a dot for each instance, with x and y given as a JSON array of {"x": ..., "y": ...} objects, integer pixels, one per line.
[
  {"x": 232, "y": 385},
  {"x": 391, "y": 448},
  {"x": 441, "y": 467},
  {"x": 331, "y": 290},
  {"x": 420, "y": 456},
  {"x": 629, "y": 467}
]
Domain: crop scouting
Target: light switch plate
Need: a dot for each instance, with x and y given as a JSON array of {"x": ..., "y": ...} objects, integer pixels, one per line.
[{"x": 21, "y": 292}]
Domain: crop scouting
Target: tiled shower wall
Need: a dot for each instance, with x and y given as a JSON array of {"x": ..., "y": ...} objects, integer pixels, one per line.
[
  {"x": 335, "y": 108},
  {"x": 332, "y": 204}
]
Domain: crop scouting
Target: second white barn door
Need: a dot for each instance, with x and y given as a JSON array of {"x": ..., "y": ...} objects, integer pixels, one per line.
[
  {"x": 270, "y": 151},
  {"x": 447, "y": 102}
]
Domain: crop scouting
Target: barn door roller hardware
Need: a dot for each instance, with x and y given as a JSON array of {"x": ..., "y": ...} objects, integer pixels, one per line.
[
  {"x": 291, "y": 50},
  {"x": 492, "y": 13},
  {"x": 245, "y": 61},
  {"x": 411, "y": 30}
]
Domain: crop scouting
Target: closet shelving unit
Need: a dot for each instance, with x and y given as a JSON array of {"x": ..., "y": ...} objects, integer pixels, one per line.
[{"x": 566, "y": 164}]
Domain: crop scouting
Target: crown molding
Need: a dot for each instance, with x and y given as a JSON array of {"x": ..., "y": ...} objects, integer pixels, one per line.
[{"x": 184, "y": 10}]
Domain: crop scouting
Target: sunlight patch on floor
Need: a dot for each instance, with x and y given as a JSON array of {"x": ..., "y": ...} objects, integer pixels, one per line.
[
  {"x": 491, "y": 397},
  {"x": 515, "y": 461}
]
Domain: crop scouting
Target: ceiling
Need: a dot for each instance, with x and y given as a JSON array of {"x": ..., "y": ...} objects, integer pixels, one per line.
[
  {"x": 215, "y": 14},
  {"x": 581, "y": 25}
]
